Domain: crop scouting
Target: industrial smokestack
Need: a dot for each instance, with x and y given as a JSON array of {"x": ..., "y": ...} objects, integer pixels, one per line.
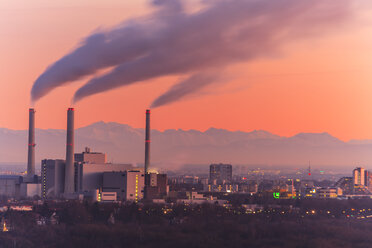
[
  {"x": 69, "y": 169},
  {"x": 147, "y": 142},
  {"x": 31, "y": 145}
]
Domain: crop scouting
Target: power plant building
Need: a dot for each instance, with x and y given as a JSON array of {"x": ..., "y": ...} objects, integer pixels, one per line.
[
  {"x": 30, "y": 190},
  {"x": 86, "y": 173},
  {"x": 134, "y": 181},
  {"x": 10, "y": 185},
  {"x": 156, "y": 186},
  {"x": 88, "y": 157},
  {"x": 127, "y": 185},
  {"x": 90, "y": 176},
  {"x": 52, "y": 177}
]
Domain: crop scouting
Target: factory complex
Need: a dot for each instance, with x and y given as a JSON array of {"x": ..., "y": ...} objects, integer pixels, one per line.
[{"x": 85, "y": 175}]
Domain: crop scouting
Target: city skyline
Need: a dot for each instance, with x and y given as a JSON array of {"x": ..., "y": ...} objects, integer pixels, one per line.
[
  {"x": 187, "y": 123},
  {"x": 286, "y": 94}
]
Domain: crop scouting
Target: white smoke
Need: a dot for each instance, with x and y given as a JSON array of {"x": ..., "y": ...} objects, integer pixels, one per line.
[{"x": 197, "y": 45}]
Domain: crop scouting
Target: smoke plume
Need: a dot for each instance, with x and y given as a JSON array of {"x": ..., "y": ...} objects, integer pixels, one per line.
[{"x": 197, "y": 45}]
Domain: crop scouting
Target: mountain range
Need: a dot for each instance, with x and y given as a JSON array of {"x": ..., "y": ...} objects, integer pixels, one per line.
[{"x": 172, "y": 148}]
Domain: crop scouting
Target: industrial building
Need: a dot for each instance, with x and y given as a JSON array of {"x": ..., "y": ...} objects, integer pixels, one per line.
[
  {"x": 127, "y": 185},
  {"x": 30, "y": 190},
  {"x": 52, "y": 177},
  {"x": 10, "y": 185},
  {"x": 88, "y": 157},
  {"x": 88, "y": 172},
  {"x": 90, "y": 176},
  {"x": 156, "y": 186},
  {"x": 134, "y": 181},
  {"x": 83, "y": 174}
]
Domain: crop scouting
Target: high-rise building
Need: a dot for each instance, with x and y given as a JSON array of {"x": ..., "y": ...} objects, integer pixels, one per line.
[
  {"x": 220, "y": 173},
  {"x": 369, "y": 180},
  {"x": 359, "y": 176}
]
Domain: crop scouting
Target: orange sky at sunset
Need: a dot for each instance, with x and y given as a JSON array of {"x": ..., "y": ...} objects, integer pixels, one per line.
[{"x": 314, "y": 85}]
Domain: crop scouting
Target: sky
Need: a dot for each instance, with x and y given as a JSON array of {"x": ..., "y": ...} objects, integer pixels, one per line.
[{"x": 320, "y": 84}]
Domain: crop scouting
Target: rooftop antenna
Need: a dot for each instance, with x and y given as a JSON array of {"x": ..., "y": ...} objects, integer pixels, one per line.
[{"x": 309, "y": 169}]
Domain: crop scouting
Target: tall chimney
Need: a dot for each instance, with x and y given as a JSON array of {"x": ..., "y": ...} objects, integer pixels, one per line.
[
  {"x": 31, "y": 145},
  {"x": 147, "y": 142},
  {"x": 69, "y": 169}
]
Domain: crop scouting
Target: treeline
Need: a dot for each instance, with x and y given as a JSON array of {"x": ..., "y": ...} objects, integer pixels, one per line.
[{"x": 115, "y": 225}]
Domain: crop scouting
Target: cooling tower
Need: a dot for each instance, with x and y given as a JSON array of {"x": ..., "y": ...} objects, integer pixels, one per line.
[
  {"x": 31, "y": 145},
  {"x": 69, "y": 169},
  {"x": 147, "y": 142}
]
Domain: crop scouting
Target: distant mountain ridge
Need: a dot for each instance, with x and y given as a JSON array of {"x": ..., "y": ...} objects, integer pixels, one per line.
[{"x": 171, "y": 148}]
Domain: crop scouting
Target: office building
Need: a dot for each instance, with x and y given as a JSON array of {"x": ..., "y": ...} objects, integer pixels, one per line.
[{"x": 220, "y": 173}]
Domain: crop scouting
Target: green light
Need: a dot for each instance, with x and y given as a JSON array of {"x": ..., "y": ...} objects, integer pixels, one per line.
[{"x": 276, "y": 195}]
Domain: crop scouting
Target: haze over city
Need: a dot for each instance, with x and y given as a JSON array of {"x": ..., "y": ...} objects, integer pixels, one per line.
[{"x": 189, "y": 123}]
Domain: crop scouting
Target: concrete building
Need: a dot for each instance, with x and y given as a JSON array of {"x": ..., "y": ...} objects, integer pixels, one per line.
[
  {"x": 134, "y": 182},
  {"x": 52, "y": 178},
  {"x": 30, "y": 190},
  {"x": 114, "y": 182},
  {"x": 89, "y": 177},
  {"x": 88, "y": 157},
  {"x": 88, "y": 174},
  {"x": 157, "y": 186},
  {"x": 220, "y": 173},
  {"x": 10, "y": 185}
]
